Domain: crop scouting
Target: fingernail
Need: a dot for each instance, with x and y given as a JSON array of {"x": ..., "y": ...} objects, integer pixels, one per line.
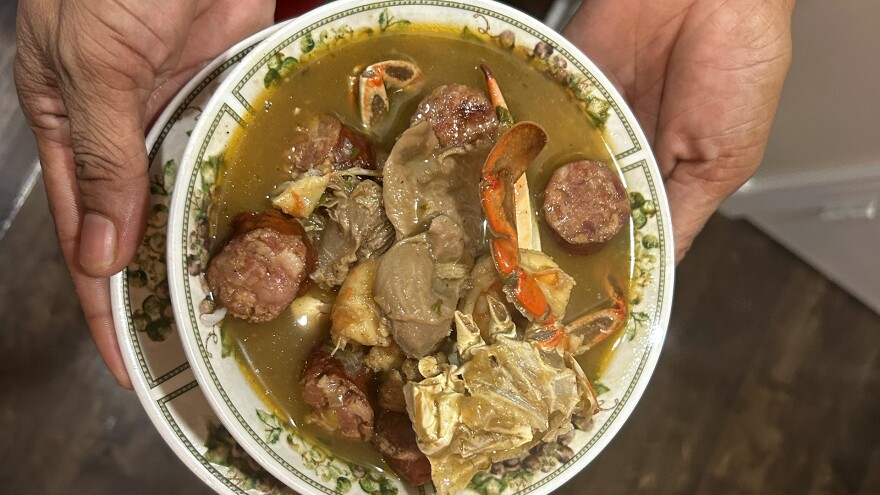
[{"x": 97, "y": 244}]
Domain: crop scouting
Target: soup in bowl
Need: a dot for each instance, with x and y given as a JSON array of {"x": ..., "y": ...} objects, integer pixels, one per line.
[{"x": 420, "y": 247}]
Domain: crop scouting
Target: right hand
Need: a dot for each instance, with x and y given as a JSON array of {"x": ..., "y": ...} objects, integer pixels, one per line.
[
  {"x": 703, "y": 78},
  {"x": 91, "y": 75}
]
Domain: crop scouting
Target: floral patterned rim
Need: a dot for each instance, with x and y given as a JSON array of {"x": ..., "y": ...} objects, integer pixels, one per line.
[{"x": 653, "y": 248}]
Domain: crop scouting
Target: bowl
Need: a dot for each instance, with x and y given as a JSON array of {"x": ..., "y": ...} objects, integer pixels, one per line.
[{"x": 286, "y": 453}]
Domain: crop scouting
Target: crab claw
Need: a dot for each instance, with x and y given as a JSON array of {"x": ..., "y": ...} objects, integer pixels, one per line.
[
  {"x": 524, "y": 218},
  {"x": 507, "y": 162},
  {"x": 589, "y": 330},
  {"x": 596, "y": 327},
  {"x": 374, "y": 82}
]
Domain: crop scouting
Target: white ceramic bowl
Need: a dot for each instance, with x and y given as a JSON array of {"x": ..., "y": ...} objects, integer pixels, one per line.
[{"x": 282, "y": 451}]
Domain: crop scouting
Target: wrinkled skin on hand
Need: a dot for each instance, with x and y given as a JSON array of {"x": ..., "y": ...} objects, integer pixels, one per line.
[
  {"x": 91, "y": 75},
  {"x": 704, "y": 79}
]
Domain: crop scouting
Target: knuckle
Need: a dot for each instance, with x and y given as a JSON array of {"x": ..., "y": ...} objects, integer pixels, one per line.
[
  {"x": 67, "y": 241},
  {"x": 96, "y": 316},
  {"x": 101, "y": 163}
]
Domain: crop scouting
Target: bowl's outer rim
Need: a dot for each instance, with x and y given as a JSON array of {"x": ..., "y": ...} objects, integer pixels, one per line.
[
  {"x": 178, "y": 205},
  {"x": 119, "y": 305}
]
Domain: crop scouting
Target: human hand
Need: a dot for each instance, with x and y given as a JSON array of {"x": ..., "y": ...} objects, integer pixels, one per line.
[
  {"x": 703, "y": 78},
  {"x": 91, "y": 74}
]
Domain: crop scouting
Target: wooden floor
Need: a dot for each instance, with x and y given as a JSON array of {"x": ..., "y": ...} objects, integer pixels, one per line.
[{"x": 769, "y": 382}]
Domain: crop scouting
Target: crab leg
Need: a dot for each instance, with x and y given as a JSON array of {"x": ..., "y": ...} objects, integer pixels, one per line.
[
  {"x": 497, "y": 99},
  {"x": 374, "y": 82},
  {"x": 527, "y": 229},
  {"x": 507, "y": 162},
  {"x": 597, "y": 326},
  {"x": 585, "y": 332}
]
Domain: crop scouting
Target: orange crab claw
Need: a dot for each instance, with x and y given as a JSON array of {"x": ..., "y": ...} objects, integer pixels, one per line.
[
  {"x": 506, "y": 163},
  {"x": 515, "y": 151},
  {"x": 525, "y": 293},
  {"x": 596, "y": 327}
]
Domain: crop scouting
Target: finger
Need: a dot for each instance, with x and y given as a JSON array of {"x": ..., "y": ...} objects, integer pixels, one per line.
[
  {"x": 107, "y": 140},
  {"x": 94, "y": 293},
  {"x": 691, "y": 203},
  {"x": 46, "y": 113}
]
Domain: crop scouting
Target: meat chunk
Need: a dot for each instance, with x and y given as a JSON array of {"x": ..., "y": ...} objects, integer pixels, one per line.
[
  {"x": 418, "y": 292},
  {"x": 357, "y": 229},
  {"x": 339, "y": 394},
  {"x": 421, "y": 184},
  {"x": 332, "y": 145},
  {"x": 263, "y": 268},
  {"x": 391, "y": 392},
  {"x": 395, "y": 440},
  {"x": 585, "y": 203},
  {"x": 458, "y": 114}
]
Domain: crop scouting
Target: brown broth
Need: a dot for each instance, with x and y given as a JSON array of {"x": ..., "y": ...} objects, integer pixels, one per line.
[{"x": 259, "y": 158}]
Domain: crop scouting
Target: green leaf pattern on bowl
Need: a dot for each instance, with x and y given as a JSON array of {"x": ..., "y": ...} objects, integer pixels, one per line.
[
  {"x": 543, "y": 57},
  {"x": 241, "y": 469},
  {"x": 222, "y": 450},
  {"x": 147, "y": 270}
]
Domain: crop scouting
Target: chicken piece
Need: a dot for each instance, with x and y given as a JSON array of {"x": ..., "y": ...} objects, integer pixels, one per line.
[
  {"x": 385, "y": 358},
  {"x": 356, "y": 317},
  {"x": 300, "y": 197}
]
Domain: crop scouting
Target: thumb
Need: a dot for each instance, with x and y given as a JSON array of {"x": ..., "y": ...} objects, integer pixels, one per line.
[{"x": 107, "y": 140}]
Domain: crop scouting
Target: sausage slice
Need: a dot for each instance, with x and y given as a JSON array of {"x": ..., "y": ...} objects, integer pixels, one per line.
[
  {"x": 585, "y": 203},
  {"x": 340, "y": 396},
  {"x": 395, "y": 439},
  {"x": 263, "y": 268},
  {"x": 458, "y": 114}
]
